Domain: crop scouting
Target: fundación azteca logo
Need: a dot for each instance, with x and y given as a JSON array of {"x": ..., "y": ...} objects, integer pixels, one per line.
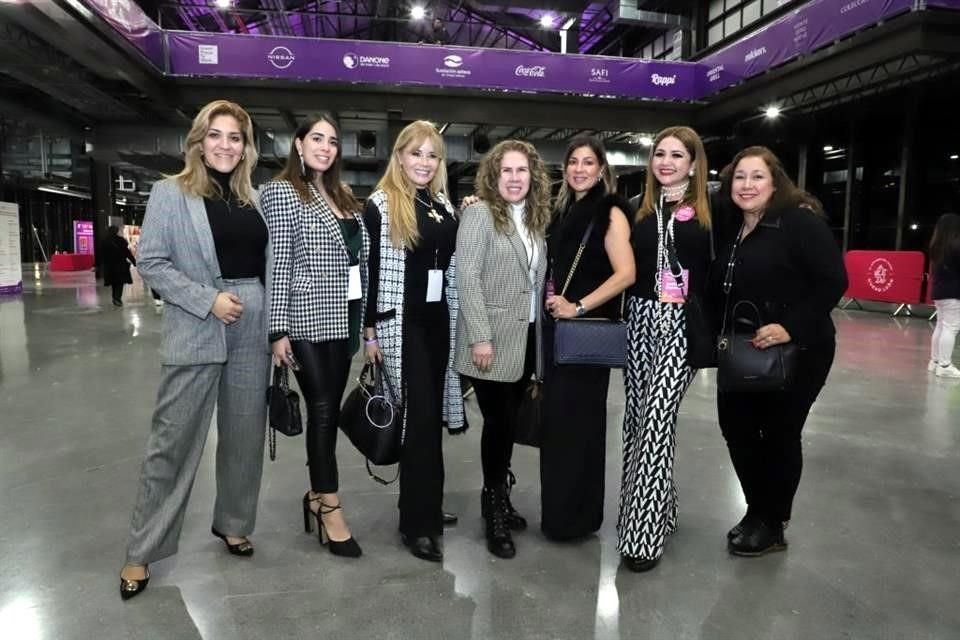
[
  {"x": 281, "y": 57},
  {"x": 453, "y": 61},
  {"x": 453, "y": 67}
]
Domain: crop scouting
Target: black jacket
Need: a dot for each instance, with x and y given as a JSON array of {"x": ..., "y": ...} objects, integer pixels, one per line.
[
  {"x": 946, "y": 278},
  {"x": 789, "y": 266},
  {"x": 115, "y": 261}
]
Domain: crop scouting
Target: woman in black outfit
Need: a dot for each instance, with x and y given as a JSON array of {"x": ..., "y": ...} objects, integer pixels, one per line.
[
  {"x": 320, "y": 258},
  {"x": 115, "y": 261},
  {"x": 410, "y": 320},
  {"x": 788, "y": 264},
  {"x": 573, "y": 450}
]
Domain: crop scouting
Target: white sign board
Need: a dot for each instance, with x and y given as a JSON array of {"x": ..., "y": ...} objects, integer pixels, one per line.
[{"x": 11, "y": 280}]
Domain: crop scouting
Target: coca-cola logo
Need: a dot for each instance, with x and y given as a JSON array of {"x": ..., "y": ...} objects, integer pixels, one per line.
[
  {"x": 880, "y": 275},
  {"x": 281, "y": 57},
  {"x": 537, "y": 71}
]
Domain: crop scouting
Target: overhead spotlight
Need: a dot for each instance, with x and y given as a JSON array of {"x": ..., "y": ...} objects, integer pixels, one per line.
[
  {"x": 827, "y": 147},
  {"x": 713, "y": 172},
  {"x": 772, "y": 112},
  {"x": 418, "y": 12},
  {"x": 955, "y": 157},
  {"x": 546, "y": 21},
  {"x": 645, "y": 141},
  {"x": 914, "y": 227},
  {"x": 223, "y": 4}
]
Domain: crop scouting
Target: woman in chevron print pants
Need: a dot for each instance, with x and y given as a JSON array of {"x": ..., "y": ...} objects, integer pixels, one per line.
[{"x": 671, "y": 245}]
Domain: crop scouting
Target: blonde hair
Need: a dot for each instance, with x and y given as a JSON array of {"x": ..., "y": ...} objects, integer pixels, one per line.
[
  {"x": 696, "y": 195},
  {"x": 194, "y": 179},
  {"x": 566, "y": 194},
  {"x": 401, "y": 191},
  {"x": 537, "y": 212}
]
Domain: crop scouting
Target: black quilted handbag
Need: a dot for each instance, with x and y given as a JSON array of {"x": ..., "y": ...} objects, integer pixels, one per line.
[
  {"x": 283, "y": 409},
  {"x": 590, "y": 341},
  {"x": 371, "y": 418}
]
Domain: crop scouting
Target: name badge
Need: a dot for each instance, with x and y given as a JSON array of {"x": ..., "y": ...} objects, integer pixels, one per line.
[
  {"x": 670, "y": 289},
  {"x": 353, "y": 286},
  {"x": 434, "y": 285}
]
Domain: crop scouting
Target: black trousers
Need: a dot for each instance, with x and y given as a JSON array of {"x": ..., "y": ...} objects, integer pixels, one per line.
[
  {"x": 426, "y": 348},
  {"x": 763, "y": 430},
  {"x": 116, "y": 290},
  {"x": 324, "y": 367},
  {"x": 499, "y": 403}
]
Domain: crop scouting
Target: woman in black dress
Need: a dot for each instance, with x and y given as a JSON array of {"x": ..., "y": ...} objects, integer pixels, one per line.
[
  {"x": 411, "y": 319},
  {"x": 115, "y": 261},
  {"x": 573, "y": 450}
]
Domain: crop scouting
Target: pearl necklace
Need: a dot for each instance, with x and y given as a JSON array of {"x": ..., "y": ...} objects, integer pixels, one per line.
[{"x": 673, "y": 194}]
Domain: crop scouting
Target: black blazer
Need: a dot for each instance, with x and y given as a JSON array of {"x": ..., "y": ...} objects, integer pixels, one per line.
[{"x": 790, "y": 266}]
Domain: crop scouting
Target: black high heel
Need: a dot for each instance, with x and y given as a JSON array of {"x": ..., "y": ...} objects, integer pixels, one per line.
[
  {"x": 244, "y": 549},
  {"x": 131, "y": 588},
  {"x": 345, "y": 548}
]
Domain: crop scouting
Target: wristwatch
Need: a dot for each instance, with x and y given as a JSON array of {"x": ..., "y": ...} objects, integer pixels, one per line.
[{"x": 580, "y": 309}]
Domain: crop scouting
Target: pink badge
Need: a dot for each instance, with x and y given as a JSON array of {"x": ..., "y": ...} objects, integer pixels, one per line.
[{"x": 684, "y": 213}]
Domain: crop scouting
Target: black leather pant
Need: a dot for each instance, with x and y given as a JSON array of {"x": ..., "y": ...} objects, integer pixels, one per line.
[{"x": 324, "y": 367}]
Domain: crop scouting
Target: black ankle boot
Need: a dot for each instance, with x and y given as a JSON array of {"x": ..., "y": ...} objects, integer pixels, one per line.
[
  {"x": 515, "y": 521},
  {"x": 758, "y": 537},
  {"x": 493, "y": 506}
]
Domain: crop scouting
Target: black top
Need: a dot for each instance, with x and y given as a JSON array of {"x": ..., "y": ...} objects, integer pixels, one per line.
[
  {"x": 563, "y": 240},
  {"x": 789, "y": 266},
  {"x": 946, "y": 278},
  {"x": 239, "y": 233},
  {"x": 438, "y": 241},
  {"x": 691, "y": 242}
]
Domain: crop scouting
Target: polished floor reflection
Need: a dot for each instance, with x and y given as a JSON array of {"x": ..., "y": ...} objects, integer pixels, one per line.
[{"x": 874, "y": 544}]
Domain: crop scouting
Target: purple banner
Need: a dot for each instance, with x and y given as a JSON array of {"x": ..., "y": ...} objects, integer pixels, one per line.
[
  {"x": 946, "y": 4},
  {"x": 129, "y": 20},
  {"x": 12, "y": 289},
  {"x": 801, "y": 31},
  {"x": 355, "y": 61}
]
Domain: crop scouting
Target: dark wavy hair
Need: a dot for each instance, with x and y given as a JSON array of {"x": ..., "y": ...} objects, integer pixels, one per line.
[
  {"x": 339, "y": 192},
  {"x": 786, "y": 194},
  {"x": 946, "y": 238}
]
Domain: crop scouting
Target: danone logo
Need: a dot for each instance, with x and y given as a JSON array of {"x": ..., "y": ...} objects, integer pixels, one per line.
[
  {"x": 663, "y": 81},
  {"x": 538, "y": 71},
  {"x": 351, "y": 61},
  {"x": 281, "y": 57},
  {"x": 453, "y": 61},
  {"x": 880, "y": 275}
]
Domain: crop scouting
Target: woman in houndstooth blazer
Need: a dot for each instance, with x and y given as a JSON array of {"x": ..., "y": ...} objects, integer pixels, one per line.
[
  {"x": 411, "y": 318},
  {"x": 319, "y": 275},
  {"x": 501, "y": 264}
]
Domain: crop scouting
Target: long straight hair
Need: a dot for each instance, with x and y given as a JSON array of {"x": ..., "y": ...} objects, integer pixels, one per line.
[
  {"x": 400, "y": 190},
  {"x": 566, "y": 194},
  {"x": 194, "y": 179},
  {"x": 537, "y": 211},
  {"x": 696, "y": 195},
  {"x": 946, "y": 238},
  {"x": 301, "y": 176}
]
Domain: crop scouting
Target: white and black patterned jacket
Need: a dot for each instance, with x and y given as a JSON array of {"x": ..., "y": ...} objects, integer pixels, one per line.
[{"x": 311, "y": 269}]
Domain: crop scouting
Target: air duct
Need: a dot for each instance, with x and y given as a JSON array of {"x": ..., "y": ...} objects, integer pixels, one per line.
[{"x": 628, "y": 13}]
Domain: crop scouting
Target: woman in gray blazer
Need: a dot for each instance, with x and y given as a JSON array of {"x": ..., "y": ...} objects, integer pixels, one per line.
[
  {"x": 502, "y": 265},
  {"x": 205, "y": 249},
  {"x": 316, "y": 301}
]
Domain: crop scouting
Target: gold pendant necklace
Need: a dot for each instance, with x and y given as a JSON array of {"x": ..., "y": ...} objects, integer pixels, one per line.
[{"x": 431, "y": 211}]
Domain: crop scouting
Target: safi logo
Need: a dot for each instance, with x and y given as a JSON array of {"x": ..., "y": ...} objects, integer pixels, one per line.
[
  {"x": 453, "y": 61},
  {"x": 350, "y": 60}
]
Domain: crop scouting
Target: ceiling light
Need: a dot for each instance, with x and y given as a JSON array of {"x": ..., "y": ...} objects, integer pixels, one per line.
[
  {"x": 223, "y": 4},
  {"x": 772, "y": 112},
  {"x": 954, "y": 156},
  {"x": 569, "y": 23},
  {"x": 645, "y": 140},
  {"x": 914, "y": 227},
  {"x": 713, "y": 172},
  {"x": 418, "y": 13},
  {"x": 546, "y": 21},
  {"x": 64, "y": 192},
  {"x": 827, "y": 147}
]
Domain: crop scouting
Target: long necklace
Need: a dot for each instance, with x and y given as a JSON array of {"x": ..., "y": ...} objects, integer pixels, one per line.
[
  {"x": 663, "y": 262},
  {"x": 431, "y": 208}
]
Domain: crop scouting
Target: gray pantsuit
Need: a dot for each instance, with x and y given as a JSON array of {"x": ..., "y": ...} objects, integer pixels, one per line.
[{"x": 206, "y": 365}]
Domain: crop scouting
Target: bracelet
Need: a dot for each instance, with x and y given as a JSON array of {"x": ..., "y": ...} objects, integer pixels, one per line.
[{"x": 370, "y": 341}]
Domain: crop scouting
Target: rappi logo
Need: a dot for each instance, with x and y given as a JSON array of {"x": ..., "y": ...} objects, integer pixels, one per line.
[
  {"x": 880, "y": 275},
  {"x": 538, "y": 71},
  {"x": 663, "y": 81},
  {"x": 281, "y": 57}
]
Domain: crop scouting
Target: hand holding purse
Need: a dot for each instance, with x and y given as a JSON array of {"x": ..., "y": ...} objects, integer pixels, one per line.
[
  {"x": 372, "y": 419},
  {"x": 283, "y": 406}
]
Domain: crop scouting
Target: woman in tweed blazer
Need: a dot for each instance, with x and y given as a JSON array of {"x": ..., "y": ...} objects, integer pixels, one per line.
[
  {"x": 502, "y": 263},
  {"x": 319, "y": 274},
  {"x": 411, "y": 319},
  {"x": 205, "y": 249}
]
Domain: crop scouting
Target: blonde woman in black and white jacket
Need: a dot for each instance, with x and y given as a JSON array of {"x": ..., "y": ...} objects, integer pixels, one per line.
[{"x": 316, "y": 304}]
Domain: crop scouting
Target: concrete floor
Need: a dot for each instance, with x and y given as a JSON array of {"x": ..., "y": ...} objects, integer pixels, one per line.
[{"x": 874, "y": 544}]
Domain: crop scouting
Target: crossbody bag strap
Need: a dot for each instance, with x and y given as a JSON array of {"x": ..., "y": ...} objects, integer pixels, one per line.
[
  {"x": 728, "y": 282},
  {"x": 576, "y": 261}
]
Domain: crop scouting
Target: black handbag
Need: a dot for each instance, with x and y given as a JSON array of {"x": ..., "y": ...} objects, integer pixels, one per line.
[
  {"x": 372, "y": 420},
  {"x": 529, "y": 429},
  {"x": 598, "y": 342},
  {"x": 283, "y": 406},
  {"x": 742, "y": 367}
]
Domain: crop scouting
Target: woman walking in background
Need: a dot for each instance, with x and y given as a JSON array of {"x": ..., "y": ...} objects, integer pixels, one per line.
[
  {"x": 115, "y": 260},
  {"x": 945, "y": 266}
]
